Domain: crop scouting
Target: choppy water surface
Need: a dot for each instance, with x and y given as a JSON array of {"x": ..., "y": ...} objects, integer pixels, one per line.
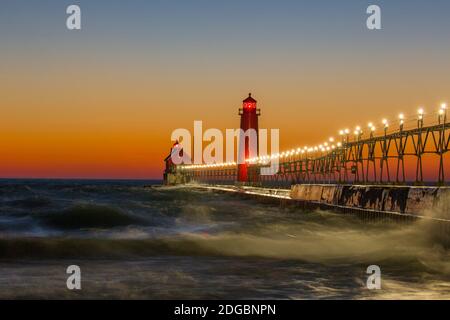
[{"x": 178, "y": 243}]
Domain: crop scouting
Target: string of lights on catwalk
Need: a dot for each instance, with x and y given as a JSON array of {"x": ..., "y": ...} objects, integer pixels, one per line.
[{"x": 332, "y": 144}]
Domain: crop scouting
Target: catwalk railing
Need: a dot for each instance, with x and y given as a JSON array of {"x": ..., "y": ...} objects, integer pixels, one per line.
[{"x": 411, "y": 154}]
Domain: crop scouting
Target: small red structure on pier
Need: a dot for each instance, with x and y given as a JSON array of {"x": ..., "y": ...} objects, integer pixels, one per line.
[
  {"x": 249, "y": 121},
  {"x": 170, "y": 167}
]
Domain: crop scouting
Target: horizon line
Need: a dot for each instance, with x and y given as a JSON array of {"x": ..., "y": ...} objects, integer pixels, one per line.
[{"x": 83, "y": 178}]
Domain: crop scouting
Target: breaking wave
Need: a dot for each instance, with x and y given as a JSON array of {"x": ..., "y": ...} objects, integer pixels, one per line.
[{"x": 406, "y": 246}]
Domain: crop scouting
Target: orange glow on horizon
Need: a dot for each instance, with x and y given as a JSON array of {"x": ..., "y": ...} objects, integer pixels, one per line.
[{"x": 115, "y": 121}]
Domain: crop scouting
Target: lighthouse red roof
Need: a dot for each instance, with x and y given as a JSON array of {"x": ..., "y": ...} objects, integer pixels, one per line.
[{"x": 249, "y": 98}]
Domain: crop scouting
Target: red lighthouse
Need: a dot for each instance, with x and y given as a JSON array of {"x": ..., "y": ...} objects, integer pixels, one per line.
[{"x": 249, "y": 120}]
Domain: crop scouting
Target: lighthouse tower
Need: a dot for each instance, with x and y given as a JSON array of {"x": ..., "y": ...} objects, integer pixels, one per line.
[{"x": 249, "y": 120}]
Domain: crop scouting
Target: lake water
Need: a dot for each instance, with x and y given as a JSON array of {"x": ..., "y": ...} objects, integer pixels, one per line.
[{"x": 133, "y": 242}]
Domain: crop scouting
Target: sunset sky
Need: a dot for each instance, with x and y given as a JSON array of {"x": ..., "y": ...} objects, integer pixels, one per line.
[{"x": 102, "y": 102}]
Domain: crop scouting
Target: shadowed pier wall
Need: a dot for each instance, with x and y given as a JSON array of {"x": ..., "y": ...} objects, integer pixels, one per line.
[{"x": 399, "y": 199}]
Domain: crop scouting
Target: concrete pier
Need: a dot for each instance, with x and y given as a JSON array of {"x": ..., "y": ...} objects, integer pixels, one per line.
[{"x": 370, "y": 201}]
